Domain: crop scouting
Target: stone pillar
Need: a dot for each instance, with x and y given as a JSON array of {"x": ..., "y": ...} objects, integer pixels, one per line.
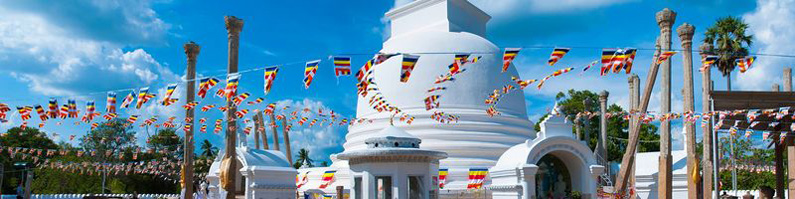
[
  {"x": 685, "y": 32},
  {"x": 601, "y": 147},
  {"x": 261, "y": 130},
  {"x": 787, "y": 79},
  {"x": 587, "y": 123},
  {"x": 192, "y": 51},
  {"x": 665, "y": 20},
  {"x": 578, "y": 127},
  {"x": 529, "y": 181},
  {"x": 256, "y": 130},
  {"x": 706, "y": 130},
  {"x": 233, "y": 28},
  {"x": 634, "y": 100},
  {"x": 286, "y": 134},
  {"x": 275, "y": 133}
]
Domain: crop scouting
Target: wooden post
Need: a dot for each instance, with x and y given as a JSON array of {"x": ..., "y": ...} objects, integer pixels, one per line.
[
  {"x": 665, "y": 20},
  {"x": 686, "y": 32},
  {"x": 233, "y": 28},
  {"x": 706, "y": 130},
  {"x": 275, "y": 134},
  {"x": 192, "y": 51},
  {"x": 627, "y": 161},
  {"x": 286, "y": 134},
  {"x": 261, "y": 130}
]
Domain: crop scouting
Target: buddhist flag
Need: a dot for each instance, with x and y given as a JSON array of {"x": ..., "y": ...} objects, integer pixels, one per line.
[
  {"x": 72, "y": 108},
  {"x": 24, "y": 112},
  {"x": 745, "y": 63},
  {"x": 42, "y": 114},
  {"x": 231, "y": 86},
  {"x": 607, "y": 58},
  {"x": 143, "y": 97},
  {"x": 458, "y": 62},
  {"x": 53, "y": 105},
  {"x": 365, "y": 68},
  {"x": 90, "y": 108},
  {"x": 240, "y": 98},
  {"x": 167, "y": 97},
  {"x": 342, "y": 66},
  {"x": 617, "y": 62},
  {"x": 205, "y": 85},
  {"x": 64, "y": 111},
  {"x": 409, "y": 61},
  {"x": 431, "y": 103},
  {"x": 256, "y": 101},
  {"x": 709, "y": 60},
  {"x": 269, "y": 109},
  {"x": 442, "y": 178},
  {"x": 508, "y": 56},
  {"x": 270, "y": 76},
  {"x": 327, "y": 179},
  {"x": 132, "y": 119},
  {"x": 664, "y": 56},
  {"x": 476, "y": 178},
  {"x": 190, "y": 105},
  {"x": 309, "y": 72},
  {"x": 110, "y": 104},
  {"x": 207, "y": 107},
  {"x": 629, "y": 59},
  {"x": 128, "y": 100},
  {"x": 241, "y": 113},
  {"x": 557, "y": 54}
]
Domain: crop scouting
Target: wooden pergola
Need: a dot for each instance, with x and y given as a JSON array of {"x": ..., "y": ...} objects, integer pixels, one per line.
[{"x": 741, "y": 103}]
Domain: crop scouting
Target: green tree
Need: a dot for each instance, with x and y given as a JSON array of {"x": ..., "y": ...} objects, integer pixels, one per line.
[
  {"x": 208, "y": 150},
  {"x": 571, "y": 103},
  {"x": 303, "y": 155},
  {"x": 17, "y": 137},
  {"x": 731, "y": 42},
  {"x": 108, "y": 138}
]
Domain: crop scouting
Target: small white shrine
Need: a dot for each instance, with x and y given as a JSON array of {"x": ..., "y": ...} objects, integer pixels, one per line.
[
  {"x": 393, "y": 166},
  {"x": 553, "y": 165},
  {"x": 262, "y": 174}
]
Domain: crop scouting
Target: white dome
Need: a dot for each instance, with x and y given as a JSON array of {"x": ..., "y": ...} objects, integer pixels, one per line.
[{"x": 476, "y": 140}]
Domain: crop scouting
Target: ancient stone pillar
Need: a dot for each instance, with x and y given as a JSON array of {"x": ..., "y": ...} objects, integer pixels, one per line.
[
  {"x": 787, "y": 79},
  {"x": 233, "y": 28},
  {"x": 587, "y": 123},
  {"x": 665, "y": 20},
  {"x": 706, "y": 130},
  {"x": 685, "y": 32},
  {"x": 634, "y": 100},
  {"x": 601, "y": 147},
  {"x": 261, "y": 130},
  {"x": 192, "y": 51},
  {"x": 286, "y": 134},
  {"x": 275, "y": 133}
]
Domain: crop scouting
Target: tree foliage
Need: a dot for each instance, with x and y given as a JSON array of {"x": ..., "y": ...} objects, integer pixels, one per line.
[{"x": 303, "y": 155}]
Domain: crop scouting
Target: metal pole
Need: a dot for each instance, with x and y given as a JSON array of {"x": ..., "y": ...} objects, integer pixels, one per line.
[{"x": 734, "y": 164}]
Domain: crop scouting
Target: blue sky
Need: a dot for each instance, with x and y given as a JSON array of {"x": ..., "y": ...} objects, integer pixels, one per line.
[{"x": 81, "y": 49}]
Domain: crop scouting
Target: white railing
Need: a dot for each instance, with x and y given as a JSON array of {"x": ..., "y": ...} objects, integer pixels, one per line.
[{"x": 80, "y": 196}]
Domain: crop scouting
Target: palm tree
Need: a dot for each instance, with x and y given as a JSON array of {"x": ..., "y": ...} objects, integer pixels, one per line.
[
  {"x": 208, "y": 150},
  {"x": 731, "y": 43},
  {"x": 303, "y": 155}
]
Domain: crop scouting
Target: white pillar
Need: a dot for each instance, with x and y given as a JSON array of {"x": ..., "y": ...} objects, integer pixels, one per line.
[
  {"x": 596, "y": 170},
  {"x": 529, "y": 181}
]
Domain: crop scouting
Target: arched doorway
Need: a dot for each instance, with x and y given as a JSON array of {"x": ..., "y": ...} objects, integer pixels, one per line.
[{"x": 553, "y": 179}]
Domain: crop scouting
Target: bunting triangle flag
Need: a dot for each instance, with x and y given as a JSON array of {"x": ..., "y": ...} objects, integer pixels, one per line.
[
  {"x": 270, "y": 76},
  {"x": 167, "y": 97},
  {"x": 607, "y": 58},
  {"x": 53, "y": 106},
  {"x": 342, "y": 66},
  {"x": 231, "y": 86},
  {"x": 205, "y": 85},
  {"x": 110, "y": 104},
  {"x": 309, "y": 72},
  {"x": 664, "y": 56},
  {"x": 360, "y": 75},
  {"x": 128, "y": 100},
  {"x": 409, "y": 61},
  {"x": 508, "y": 56},
  {"x": 557, "y": 54}
]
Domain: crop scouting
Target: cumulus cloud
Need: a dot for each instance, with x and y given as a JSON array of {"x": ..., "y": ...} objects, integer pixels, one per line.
[
  {"x": 59, "y": 52},
  {"x": 774, "y": 33}
]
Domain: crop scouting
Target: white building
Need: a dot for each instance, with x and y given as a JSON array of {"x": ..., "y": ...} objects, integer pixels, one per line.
[{"x": 551, "y": 161}]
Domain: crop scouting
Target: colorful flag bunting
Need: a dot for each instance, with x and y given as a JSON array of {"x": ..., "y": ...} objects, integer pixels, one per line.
[
  {"x": 309, "y": 72},
  {"x": 607, "y": 57},
  {"x": 231, "y": 86},
  {"x": 557, "y": 54},
  {"x": 128, "y": 100},
  {"x": 745, "y": 63},
  {"x": 110, "y": 104},
  {"x": 256, "y": 101},
  {"x": 240, "y": 98},
  {"x": 508, "y": 56},
  {"x": 53, "y": 105},
  {"x": 476, "y": 178},
  {"x": 442, "y": 177},
  {"x": 342, "y": 66},
  {"x": 143, "y": 97},
  {"x": 327, "y": 179},
  {"x": 664, "y": 56},
  {"x": 270, "y": 76},
  {"x": 205, "y": 85},
  {"x": 42, "y": 114},
  {"x": 409, "y": 61}
]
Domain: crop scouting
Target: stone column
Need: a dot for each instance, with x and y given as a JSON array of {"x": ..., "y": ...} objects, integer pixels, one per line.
[
  {"x": 275, "y": 133},
  {"x": 706, "y": 130},
  {"x": 665, "y": 20},
  {"x": 601, "y": 147},
  {"x": 192, "y": 51},
  {"x": 685, "y": 32},
  {"x": 286, "y": 134},
  {"x": 529, "y": 181},
  {"x": 587, "y": 123},
  {"x": 261, "y": 130},
  {"x": 578, "y": 127},
  {"x": 233, "y": 28},
  {"x": 634, "y": 100},
  {"x": 787, "y": 79}
]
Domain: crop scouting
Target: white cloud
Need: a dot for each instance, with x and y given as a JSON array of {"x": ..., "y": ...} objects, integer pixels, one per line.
[
  {"x": 55, "y": 60},
  {"x": 774, "y": 33},
  {"x": 321, "y": 141}
]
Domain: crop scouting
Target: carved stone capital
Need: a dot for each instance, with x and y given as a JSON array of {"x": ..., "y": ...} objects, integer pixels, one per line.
[
  {"x": 666, "y": 18},
  {"x": 603, "y": 96},
  {"x": 233, "y": 24},
  {"x": 192, "y": 50},
  {"x": 686, "y": 32}
]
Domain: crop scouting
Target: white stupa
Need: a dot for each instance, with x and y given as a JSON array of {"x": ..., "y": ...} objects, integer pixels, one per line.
[{"x": 476, "y": 140}]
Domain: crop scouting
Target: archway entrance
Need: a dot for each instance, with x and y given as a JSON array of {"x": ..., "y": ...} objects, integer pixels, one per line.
[{"x": 553, "y": 179}]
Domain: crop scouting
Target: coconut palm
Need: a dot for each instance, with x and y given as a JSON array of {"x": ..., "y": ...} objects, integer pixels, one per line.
[
  {"x": 303, "y": 155},
  {"x": 728, "y": 36},
  {"x": 208, "y": 150}
]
